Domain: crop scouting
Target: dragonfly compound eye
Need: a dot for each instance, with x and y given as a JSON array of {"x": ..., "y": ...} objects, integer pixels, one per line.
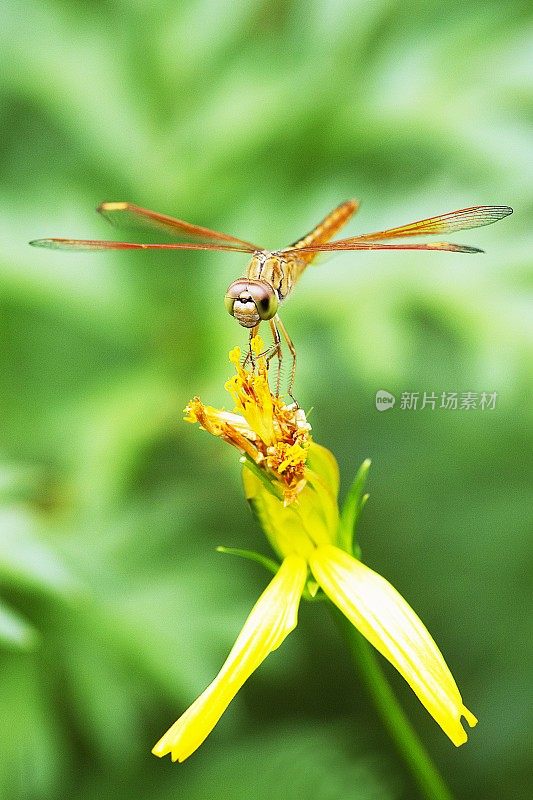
[{"x": 251, "y": 301}]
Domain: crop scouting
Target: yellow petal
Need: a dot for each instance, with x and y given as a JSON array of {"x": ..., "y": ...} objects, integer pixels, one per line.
[
  {"x": 235, "y": 355},
  {"x": 323, "y": 462},
  {"x": 272, "y": 618},
  {"x": 296, "y": 528},
  {"x": 381, "y": 614}
]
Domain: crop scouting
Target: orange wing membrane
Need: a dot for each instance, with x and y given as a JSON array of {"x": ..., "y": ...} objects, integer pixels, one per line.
[
  {"x": 96, "y": 244},
  {"x": 464, "y": 219},
  {"x": 130, "y": 215}
]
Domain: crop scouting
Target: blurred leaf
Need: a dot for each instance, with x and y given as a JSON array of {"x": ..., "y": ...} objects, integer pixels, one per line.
[
  {"x": 25, "y": 558},
  {"x": 33, "y": 754},
  {"x": 293, "y": 763},
  {"x": 17, "y": 482},
  {"x": 15, "y": 631}
]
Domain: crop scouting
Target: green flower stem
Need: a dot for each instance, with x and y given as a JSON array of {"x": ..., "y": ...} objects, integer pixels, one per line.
[{"x": 403, "y": 734}]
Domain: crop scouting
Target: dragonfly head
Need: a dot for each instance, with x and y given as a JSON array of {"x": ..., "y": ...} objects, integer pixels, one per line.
[{"x": 251, "y": 301}]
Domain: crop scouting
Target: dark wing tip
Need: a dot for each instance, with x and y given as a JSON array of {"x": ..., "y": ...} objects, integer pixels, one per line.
[
  {"x": 42, "y": 243},
  {"x": 501, "y": 211},
  {"x": 451, "y": 247},
  {"x": 463, "y": 248}
]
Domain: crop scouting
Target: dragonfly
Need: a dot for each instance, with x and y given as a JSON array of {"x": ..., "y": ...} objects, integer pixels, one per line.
[{"x": 272, "y": 274}]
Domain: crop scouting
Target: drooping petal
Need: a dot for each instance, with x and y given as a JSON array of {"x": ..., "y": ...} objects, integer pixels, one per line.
[
  {"x": 272, "y": 618},
  {"x": 381, "y": 614}
]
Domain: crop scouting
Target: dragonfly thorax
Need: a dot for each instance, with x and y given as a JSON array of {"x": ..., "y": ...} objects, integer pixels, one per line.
[
  {"x": 275, "y": 269},
  {"x": 251, "y": 301}
]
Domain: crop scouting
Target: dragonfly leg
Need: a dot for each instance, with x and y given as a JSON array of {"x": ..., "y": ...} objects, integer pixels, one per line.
[
  {"x": 292, "y": 350},
  {"x": 249, "y": 357},
  {"x": 276, "y": 351}
]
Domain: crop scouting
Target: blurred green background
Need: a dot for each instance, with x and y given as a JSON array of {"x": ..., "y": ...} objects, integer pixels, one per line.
[{"x": 256, "y": 118}]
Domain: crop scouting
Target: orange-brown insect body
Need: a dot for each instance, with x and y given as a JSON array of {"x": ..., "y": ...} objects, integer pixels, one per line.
[{"x": 282, "y": 272}]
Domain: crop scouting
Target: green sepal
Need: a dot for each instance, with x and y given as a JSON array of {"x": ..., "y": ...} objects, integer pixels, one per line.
[
  {"x": 313, "y": 593},
  {"x": 268, "y": 563},
  {"x": 351, "y": 511}
]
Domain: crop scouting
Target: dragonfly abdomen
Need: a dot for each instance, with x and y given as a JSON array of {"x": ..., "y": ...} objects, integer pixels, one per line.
[{"x": 329, "y": 226}]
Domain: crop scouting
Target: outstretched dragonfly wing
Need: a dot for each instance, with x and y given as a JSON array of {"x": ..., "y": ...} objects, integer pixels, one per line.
[
  {"x": 96, "y": 244},
  {"x": 128, "y": 215},
  {"x": 463, "y": 219}
]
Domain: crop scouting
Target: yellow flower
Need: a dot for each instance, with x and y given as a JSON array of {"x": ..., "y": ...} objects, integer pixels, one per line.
[
  {"x": 273, "y": 436},
  {"x": 292, "y": 485}
]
